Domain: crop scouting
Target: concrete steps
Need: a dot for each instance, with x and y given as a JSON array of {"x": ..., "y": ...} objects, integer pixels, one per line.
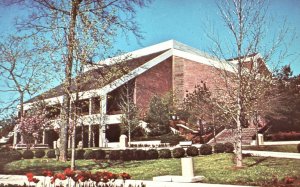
[
  {"x": 5, "y": 139},
  {"x": 227, "y": 135}
]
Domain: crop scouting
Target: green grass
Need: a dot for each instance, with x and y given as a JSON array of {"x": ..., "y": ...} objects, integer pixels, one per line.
[
  {"x": 276, "y": 148},
  {"x": 217, "y": 168}
]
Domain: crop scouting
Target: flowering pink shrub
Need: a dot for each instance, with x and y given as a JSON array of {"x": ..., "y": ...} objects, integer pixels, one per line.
[{"x": 30, "y": 127}]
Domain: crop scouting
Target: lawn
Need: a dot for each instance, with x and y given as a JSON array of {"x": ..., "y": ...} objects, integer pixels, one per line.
[
  {"x": 217, "y": 168},
  {"x": 276, "y": 148}
]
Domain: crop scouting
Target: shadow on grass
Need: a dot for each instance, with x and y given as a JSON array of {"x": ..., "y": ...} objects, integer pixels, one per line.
[
  {"x": 104, "y": 164},
  {"x": 258, "y": 161}
]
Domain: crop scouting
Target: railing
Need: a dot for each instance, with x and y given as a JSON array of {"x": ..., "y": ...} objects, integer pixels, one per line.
[{"x": 94, "y": 119}]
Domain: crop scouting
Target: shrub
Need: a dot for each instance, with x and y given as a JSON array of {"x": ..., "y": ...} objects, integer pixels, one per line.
[
  {"x": 39, "y": 153},
  {"x": 69, "y": 153},
  {"x": 219, "y": 148},
  {"x": 228, "y": 147},
  {"x": 114, "y": 155},
  {"x": 165, "y": 153},
  {"x": 152, "y": 154},
  {"x": 192, "y": 151},
  {"x": 28, "y": 154},
  {"x": 51, "y": 153},
  {"x": 140, "y": 154},
  {"x": 127, "y": 155},
  {"x": 89, "y": 154},
  {"x": 298, "y": 147},
  {"x": 14, "y": 155},
  {"x": 99, "y": 154},
  {"x": 205, "y": 149},
  {"x": 173, "y": 139},
  {"x": 178, "y": 152},
  {"x": 10, "y": 155},
  {"x": 79, "y": 154}
]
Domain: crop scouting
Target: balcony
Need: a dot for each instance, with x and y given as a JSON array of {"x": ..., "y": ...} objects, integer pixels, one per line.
[{"x": 92, "y": 119}]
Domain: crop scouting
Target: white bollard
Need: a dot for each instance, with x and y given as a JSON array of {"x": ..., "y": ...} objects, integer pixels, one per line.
[
  {"x": 260, "y": 139},
  {"x": 123, "y": 142},
  {"x": 187, "y": 166}
]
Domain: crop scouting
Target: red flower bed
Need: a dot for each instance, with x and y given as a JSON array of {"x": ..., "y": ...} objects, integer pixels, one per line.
[
  {"x": 284, "y": 136},
  {"x": 98, "y": 178}
]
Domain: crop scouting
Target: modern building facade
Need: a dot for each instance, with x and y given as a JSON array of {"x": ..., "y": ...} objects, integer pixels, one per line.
[{"x": 154, "y": 70}]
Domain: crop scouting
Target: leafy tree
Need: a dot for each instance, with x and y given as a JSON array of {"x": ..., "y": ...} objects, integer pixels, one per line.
[
  {"x": 285, "y": 97},
  {"x": 158, "y": 116},
  {"x": 203, "y": 108}
]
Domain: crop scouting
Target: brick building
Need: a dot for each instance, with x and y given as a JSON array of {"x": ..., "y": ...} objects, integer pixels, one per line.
[{"x": 158, "y": 69}]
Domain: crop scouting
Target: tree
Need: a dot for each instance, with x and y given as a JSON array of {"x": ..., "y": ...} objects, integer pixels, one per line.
[
  {"x": 31, "y": 126},
  {"x": 77, "y": 30},
  {"x": 130, "y": 118},
  {"x": 285, "y": 100},
  {"x": 22, "y": 73},
  {"x": 245, "y": 75},
  {"x": 202, "y": 107},
  {"x": 158, "y": 116}
]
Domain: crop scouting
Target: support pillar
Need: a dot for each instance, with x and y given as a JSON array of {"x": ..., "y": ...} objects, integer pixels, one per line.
[
  {"x": 90, "y": 124},
  {"x": 15, "y": 141},
  {"x": 93, "y": 139},
  {"x": 102, "y": 136},
  {"x": 69, "y": 142},
  {"x": 90, "y": 136},
  {"x": 102, "y": 126},
  {"x": 44, "y": 136}
]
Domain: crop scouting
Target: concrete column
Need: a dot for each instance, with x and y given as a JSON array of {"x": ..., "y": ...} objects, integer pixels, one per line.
[
  {"x": 15, "y": 140},
  {"x": 44, "y": 136},
  {"x": 90, "y": 125},
  {"x": 90, "y": 135},
  {"x": 69, "y": 142},
  {"x": 102, "y": 125},
  {"x": 260, "y": 139},
  {"x": 93, "y": 139},
  {"x": 123, "y": 142},
  {"x": 22, "y": 139},
  {"x": 187, "y": 167}
]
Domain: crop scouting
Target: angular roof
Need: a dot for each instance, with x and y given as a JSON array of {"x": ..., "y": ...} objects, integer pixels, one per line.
[
  {"x": 98, "y": 77},
  {"x": 111, "y": 73}
]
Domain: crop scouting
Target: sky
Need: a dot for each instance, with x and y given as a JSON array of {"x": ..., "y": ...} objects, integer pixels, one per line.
[{"x": 187, "y": 21}]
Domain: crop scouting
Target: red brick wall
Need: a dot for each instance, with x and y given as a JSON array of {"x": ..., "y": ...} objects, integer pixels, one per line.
[
  {"x": 157, "y": 80},
  {"x": 188, "y": 73}
]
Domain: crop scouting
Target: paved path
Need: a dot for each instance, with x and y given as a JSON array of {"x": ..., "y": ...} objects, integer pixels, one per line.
[
  {"x": 273, "y": 154},
  {"x": 21, "y": 179}
]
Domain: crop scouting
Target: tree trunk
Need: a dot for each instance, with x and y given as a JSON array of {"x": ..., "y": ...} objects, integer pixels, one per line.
[
  {"x": 68, "y": 79},
  {"x": 73, "y": 166},
  {"x": 255, "y": 121},
  {"x": 21, "y": 111},
  {"x": 128, "y": 113}
]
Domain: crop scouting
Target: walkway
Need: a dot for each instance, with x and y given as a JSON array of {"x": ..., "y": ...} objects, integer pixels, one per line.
[
  {"x": 273, "y": 154},
  {"x": 21, "y": 179}
]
